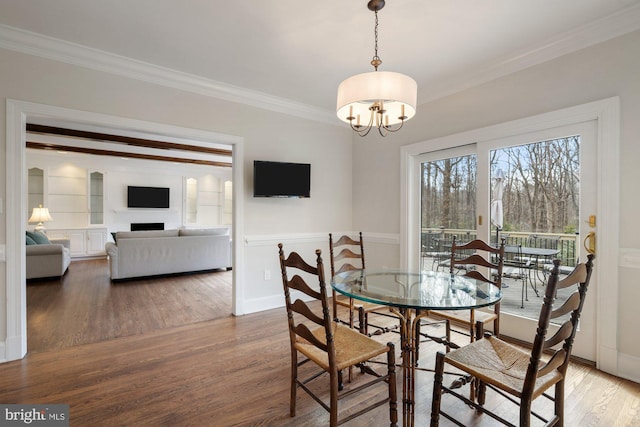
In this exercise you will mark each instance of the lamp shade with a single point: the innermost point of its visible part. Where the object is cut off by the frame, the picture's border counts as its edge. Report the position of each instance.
(398, 93)
(40, 215)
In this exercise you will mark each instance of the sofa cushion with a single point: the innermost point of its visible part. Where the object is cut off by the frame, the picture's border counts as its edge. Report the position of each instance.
(145, 233)
(222, 231)
(29, 240)
(39, 238)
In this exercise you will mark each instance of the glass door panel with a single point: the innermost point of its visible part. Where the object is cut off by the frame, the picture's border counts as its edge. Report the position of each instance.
(547, 198)
(535, 200)
(448, 205)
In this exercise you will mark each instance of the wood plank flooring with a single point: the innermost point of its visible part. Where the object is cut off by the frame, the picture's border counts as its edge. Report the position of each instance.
(234, 371)
(84, 306)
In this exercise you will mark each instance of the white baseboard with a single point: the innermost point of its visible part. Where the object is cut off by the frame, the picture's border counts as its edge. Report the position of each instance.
(261, 304)
(629, 367)
(273, 301)
(11, 349)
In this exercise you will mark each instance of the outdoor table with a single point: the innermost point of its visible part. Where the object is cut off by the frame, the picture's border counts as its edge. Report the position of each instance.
(536, 254)
(410, 295)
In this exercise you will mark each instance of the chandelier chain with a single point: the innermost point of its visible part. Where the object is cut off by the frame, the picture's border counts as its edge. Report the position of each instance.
(375, 31)
(376, 59)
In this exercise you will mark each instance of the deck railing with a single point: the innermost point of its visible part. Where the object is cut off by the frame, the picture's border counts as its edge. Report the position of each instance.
(434, 240)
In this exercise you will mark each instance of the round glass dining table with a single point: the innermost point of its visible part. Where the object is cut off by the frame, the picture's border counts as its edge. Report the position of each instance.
(410, 296)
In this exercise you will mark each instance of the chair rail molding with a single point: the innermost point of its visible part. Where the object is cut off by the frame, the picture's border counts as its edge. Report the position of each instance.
(274, 239)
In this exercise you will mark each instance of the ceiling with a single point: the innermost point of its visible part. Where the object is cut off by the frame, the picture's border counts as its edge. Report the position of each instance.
(300, 50)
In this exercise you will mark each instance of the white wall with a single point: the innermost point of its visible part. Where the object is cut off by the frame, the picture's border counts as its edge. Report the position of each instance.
(120, 173)
(267, 136)
(602, 71)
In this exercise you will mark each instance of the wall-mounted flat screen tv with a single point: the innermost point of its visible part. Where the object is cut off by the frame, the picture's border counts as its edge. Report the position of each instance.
(280, 179)
(147, 197)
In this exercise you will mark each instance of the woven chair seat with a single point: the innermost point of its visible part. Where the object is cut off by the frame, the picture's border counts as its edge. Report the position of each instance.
(500, 364)
(352, 347)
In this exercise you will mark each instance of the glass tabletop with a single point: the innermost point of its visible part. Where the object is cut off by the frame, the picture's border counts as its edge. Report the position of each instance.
(428, 290)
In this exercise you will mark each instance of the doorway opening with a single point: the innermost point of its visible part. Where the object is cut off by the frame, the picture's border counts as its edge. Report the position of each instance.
(18, 114)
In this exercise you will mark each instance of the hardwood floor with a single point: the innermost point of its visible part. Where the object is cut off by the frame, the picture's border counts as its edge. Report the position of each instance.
(234, 371)
(86, 307)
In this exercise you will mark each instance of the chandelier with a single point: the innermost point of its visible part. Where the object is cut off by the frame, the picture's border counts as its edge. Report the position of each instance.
(380, 99)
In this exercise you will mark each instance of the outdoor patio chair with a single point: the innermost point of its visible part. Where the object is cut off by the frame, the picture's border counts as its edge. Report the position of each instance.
(330, 345)
(517, 268)
(519, 376)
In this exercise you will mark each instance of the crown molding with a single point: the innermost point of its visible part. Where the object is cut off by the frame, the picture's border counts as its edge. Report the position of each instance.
(617, 24)
(72, 53)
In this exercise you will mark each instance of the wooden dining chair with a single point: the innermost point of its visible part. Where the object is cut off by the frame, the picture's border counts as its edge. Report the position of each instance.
(333, 347)
(515, 374)
(465, 260)
(347, 254)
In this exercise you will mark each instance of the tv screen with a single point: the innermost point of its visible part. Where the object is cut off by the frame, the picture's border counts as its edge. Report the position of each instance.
(279, 179)
(147, 197)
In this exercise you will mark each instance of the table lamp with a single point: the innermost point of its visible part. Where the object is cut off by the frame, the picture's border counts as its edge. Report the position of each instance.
(40, 215)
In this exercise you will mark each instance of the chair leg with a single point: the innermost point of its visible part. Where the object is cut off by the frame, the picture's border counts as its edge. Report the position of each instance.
(525, 412)
(351, 315)
(333, 399)
(417, 340)
(362, 321)
(437, 389)
(475, 385)
(448, 335)
(479, 330)
(482, 391)
(393, 394)
(294, 385)
(559, 403)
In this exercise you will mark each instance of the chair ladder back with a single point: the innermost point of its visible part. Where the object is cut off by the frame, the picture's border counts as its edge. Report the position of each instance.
(302, 331)
(299, 284)
(475, 274)
(346, 267)
(581, 276)
(346, 252)
(294, 261)
(478, 260)
(347, 247)
(541, 332)
(477, 244)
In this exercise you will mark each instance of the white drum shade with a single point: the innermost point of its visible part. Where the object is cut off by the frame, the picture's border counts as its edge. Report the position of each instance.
(397, 92)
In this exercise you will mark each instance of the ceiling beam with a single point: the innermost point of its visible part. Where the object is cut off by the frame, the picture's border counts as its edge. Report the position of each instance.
(47, 146)
(137, 142)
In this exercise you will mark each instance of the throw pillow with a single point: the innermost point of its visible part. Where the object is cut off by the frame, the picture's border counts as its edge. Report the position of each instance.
(30, 241)
(39, 238)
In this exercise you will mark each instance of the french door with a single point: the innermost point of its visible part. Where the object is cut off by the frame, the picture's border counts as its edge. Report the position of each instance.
(546, 201)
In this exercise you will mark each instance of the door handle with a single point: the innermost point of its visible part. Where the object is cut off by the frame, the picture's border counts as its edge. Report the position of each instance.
(590, 242)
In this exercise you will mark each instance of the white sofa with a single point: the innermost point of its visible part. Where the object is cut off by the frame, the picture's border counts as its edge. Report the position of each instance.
(48, 260)
(151, 253)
